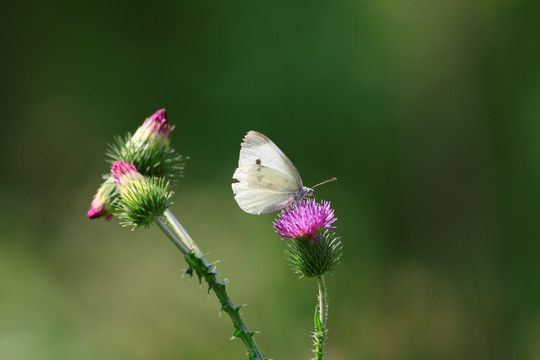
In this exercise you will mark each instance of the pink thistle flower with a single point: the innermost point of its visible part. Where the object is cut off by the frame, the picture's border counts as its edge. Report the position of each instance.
(305, 219)
(124, 173)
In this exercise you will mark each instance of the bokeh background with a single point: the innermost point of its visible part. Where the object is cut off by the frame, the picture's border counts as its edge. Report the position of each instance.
(427, 112)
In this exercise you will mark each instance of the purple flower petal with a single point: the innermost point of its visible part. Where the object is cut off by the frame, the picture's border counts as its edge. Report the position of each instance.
(305, 219)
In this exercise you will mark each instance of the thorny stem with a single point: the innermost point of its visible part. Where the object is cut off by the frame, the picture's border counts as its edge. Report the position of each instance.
(323, 301)
(321, 314)
(196, 261)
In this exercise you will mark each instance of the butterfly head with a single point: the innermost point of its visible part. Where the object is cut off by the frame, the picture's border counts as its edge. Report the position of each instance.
(303, 193)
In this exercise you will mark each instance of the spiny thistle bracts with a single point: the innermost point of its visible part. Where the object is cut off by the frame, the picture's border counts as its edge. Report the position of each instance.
(141, 198)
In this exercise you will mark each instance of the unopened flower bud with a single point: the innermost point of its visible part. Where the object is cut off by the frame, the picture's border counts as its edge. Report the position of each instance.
(103, 200)
(149, 149)
(154, 128)
(141, 198)
(125, 173)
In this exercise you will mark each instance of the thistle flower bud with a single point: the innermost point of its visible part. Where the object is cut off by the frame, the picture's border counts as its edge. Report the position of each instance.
(141, 198)
(155, 128)
(102, 204)
(148, 149)
(124, 173)
(314, 249)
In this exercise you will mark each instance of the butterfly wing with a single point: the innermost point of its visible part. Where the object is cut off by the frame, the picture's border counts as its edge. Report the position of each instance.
(267, 178)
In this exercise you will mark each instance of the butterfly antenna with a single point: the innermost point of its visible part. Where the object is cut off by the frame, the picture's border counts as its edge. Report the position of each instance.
(325, 181)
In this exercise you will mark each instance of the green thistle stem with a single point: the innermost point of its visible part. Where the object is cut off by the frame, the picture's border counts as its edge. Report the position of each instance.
(241, 331)
(321, 314)
(182, 233)
(163, 226)
(193, 256)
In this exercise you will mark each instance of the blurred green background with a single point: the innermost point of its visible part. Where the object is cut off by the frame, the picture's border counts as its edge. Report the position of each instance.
(427, 113)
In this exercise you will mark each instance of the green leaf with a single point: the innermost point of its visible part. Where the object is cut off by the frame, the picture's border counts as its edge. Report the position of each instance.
(317, 320)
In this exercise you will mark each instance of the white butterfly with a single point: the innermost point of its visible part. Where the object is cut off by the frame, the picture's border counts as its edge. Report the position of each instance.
(268, 180)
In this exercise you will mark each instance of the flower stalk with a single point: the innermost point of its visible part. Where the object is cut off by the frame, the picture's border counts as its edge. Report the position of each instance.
(313, 251)
(182, 233)
(207, 271)
(321, 315)
(170, 234)
(137, 191)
